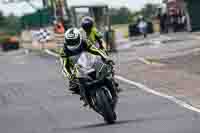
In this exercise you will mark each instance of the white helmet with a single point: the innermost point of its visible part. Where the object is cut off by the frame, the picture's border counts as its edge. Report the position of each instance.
(73, 39)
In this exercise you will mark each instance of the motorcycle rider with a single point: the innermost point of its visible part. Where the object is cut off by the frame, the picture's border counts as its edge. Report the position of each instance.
(142, 26)
(95, 37)
(92, 34)
(74, 45)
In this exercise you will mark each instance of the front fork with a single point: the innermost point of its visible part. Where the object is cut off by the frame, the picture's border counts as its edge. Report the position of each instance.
(110, 82)
(88, 95)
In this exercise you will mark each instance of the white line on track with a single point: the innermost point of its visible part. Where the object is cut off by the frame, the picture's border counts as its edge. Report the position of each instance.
(51, 53)
(149, 90)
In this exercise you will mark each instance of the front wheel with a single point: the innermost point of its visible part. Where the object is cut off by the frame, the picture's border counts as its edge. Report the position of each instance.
(104, 103)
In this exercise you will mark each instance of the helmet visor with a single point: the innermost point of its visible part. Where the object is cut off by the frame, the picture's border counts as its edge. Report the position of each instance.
(73, 42)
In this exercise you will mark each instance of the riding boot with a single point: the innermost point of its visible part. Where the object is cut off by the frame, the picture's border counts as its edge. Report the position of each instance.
(74, 88)
(118, 89)
(84, 102)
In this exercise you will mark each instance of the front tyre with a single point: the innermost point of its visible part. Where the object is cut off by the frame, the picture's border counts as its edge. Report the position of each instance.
(104, 103)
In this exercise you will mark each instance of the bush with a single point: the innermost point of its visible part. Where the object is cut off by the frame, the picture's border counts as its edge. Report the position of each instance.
(4, 38)
(9, 26)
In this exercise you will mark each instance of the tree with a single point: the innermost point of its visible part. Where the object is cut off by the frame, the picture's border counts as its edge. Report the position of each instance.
(133, 18)
(149, 10)
(2, 18)
(120, 16)
(9, 24)
(12, 20)
(124, 11)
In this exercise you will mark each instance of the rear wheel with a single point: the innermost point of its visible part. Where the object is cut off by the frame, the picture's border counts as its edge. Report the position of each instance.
(104, 103)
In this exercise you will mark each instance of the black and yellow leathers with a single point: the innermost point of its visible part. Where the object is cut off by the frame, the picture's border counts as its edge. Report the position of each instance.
(69, 58)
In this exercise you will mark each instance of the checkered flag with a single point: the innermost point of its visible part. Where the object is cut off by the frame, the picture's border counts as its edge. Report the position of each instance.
(43, 35)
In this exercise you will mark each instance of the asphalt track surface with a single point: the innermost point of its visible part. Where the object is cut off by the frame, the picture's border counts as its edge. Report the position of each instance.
(34, 99)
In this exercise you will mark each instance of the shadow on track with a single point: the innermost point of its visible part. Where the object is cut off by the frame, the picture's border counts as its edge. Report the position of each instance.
(105, 124)
(100, 125)
(119, 123)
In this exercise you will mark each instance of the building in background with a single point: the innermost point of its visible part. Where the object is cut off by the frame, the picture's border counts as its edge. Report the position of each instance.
(187, 8)
(178, 16)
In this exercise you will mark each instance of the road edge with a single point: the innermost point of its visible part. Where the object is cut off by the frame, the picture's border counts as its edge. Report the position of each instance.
(157, 93)
(173, 99)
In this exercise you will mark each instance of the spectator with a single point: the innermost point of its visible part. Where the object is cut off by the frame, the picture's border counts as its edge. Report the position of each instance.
(59, 28)
(163, 23)
(184, 22)
(142, 25)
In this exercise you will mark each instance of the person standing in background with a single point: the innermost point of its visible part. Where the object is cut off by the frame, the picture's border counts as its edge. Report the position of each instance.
(142, 26)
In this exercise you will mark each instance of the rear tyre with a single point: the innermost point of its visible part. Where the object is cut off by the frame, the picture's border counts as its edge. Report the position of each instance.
(105, 106)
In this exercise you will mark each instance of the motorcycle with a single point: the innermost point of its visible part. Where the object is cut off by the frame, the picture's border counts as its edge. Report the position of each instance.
(97, 86)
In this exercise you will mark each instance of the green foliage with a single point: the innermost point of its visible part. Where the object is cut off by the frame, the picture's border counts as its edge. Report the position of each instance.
(120, 16)
(4, 38)
(37, 19)
(125, 16)
(134, 17)
(2, 18)
(149, 10)
(9, 24)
